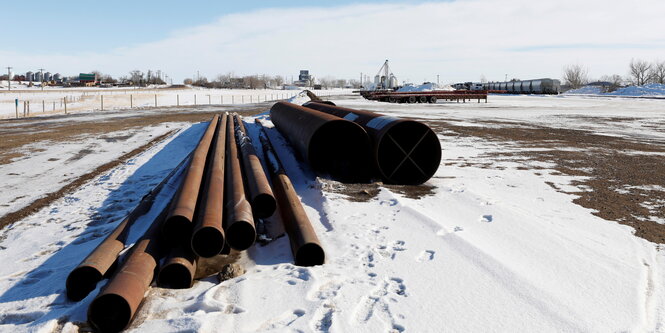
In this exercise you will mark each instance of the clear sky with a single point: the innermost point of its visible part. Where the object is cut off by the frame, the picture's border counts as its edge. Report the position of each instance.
(459, 40)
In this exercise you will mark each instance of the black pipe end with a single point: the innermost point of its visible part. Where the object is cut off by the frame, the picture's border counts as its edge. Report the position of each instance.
(175, 276)
(109, 313)
(341, 149)
(321, 102)
(263, 205)
(409, 153)
(240, 235)
(81, 281)
(207, 242)
(176, 229)
(310, 254)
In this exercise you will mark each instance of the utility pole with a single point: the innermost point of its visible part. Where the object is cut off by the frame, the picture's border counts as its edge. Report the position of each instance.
(41, 77)
(437, 79)
(361, 79)
(9, 79)
(506, 79)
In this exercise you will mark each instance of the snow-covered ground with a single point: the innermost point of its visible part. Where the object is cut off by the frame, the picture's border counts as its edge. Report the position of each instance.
(485, 249)
(52, 100)
(651, 90)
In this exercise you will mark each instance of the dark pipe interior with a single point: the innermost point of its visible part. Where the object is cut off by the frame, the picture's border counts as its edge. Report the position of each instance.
(310, 254)
(240, 235)
(176, 228)
(263, 205)
(424, 148)
(342, 150)
(109, 313)
(207, 242)
(175, 276)
(81, 281)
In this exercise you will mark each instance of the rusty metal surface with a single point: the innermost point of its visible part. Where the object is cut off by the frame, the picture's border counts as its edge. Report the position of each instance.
(208, 235)
(239, 221)
(404, 151)
(305, 245)
(330, 145)
(102, 260)
(259, 192)
(178, 269)
(178, 225)
(115, 306)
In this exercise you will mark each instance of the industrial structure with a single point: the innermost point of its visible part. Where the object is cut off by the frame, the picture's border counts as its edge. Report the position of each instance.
(537, 86)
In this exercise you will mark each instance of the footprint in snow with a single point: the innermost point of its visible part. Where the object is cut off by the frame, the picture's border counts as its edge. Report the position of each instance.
(426, 255)
(486, 218)
(391, 202)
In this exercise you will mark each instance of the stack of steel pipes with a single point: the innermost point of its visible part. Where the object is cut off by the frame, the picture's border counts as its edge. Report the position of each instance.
(356, 145)
(220, 189)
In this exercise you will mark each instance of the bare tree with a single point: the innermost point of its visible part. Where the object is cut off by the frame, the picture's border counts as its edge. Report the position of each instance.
(616, 81)
(575, 76)
(640, 72)
(658, 72)
(187, 81)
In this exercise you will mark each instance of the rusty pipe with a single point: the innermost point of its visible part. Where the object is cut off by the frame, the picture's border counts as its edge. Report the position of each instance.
(238, 221)
(115, 306)
(178, 269)
(404, 151)
(101, 262)
(208, 235)
(178, 225)
(305, 245)
(330, 145)
(259, 192)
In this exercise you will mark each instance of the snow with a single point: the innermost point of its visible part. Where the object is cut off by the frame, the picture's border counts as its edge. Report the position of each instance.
(428, 86)
(489, 250)
(653, 90)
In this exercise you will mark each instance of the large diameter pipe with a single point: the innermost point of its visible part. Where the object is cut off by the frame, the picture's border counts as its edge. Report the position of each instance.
(330, 145)
(115, 306)
(305, 245)
(178, 269)
(405, 151)
(208, 235)
(101, 262)
(239, 221)
(258, 188)
(178, 225)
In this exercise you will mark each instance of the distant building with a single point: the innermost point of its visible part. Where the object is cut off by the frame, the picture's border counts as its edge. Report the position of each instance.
(29, 76)
(48, 77)
(304, 79)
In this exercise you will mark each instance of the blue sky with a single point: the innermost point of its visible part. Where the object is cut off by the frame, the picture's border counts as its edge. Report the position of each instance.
(458, 40)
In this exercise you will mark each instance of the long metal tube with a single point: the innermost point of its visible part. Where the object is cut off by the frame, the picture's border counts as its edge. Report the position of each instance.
(259, 192)
(178, 269)
(178, 225)
(330, 145)
(238, 221)
(101, 262)
(208, 235)
(305, 245)
(116, 304)
(404, 151)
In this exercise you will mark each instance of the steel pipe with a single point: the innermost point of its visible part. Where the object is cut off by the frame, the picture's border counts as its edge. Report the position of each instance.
(259, 192)
(102, 261)
(178, 269)
(330, 145)
(238, 221)
(208, 235)
(305, 245)
(404, 151)
(178, 225)
(116, 304)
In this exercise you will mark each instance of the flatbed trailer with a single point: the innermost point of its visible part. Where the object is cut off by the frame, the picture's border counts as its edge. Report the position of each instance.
(425, 96)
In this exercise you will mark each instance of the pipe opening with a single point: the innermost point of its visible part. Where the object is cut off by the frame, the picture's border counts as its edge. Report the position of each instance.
(207, 242)
(310, 254)
(342, 150)
(109, 313)
(175, 276)
(81, 281)
(263, 205)
(176, 228)
(409, 153)
(240, 235)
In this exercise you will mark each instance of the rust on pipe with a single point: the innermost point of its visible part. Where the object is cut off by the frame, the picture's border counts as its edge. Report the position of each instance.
(238, 219)
(258, 188)
(329, 144)
(305, 245)
(404, 151)
(178, 269)
(208, 235)
(115, 306)
(101, 262)
(178, 225)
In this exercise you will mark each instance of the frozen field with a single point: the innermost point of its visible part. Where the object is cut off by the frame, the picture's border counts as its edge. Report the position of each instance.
(545, 215)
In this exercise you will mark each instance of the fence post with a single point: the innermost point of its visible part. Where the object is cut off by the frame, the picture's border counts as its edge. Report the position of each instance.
(209, 100)
(194, 99)
(131, 101)
(16, 103)
(53, 106)
(43, 106)
(242, 99)
(233, 99)
(221, 99)
(102, 99)
(177, 99)
(155, 100)
(65, 101)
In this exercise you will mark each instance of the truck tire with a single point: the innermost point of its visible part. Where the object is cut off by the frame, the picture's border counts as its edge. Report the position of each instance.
(392, 99)
(422, 99)
(432, 99)
(411, 99)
